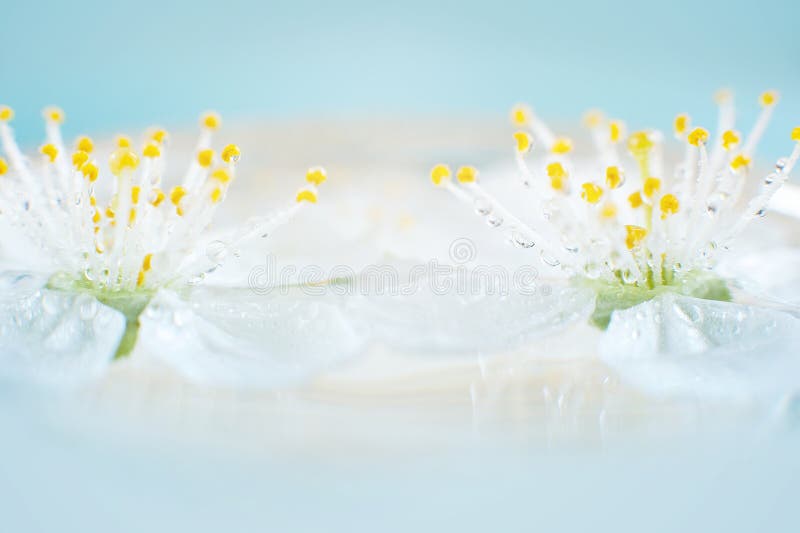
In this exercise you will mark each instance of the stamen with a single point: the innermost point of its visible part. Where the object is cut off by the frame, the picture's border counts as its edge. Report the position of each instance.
(84, 144)
(634, 236)
(50, 151)
(591, 192)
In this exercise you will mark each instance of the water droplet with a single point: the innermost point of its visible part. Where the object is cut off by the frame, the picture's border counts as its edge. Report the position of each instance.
(216, 252)
(482, 207)
(549, 259)
(494, 220)
(761, 212)
(521, 241)
(780, 164)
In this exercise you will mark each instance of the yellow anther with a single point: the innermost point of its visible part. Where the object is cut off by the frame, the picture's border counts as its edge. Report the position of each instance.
(84, 144)
(3, 166)
(768, 98)
(140, 279)
(176, 195)
(591, 192)
(698, 136)
(216, 195)
(651, 186)
(96, 217)
(306, 195)
(53, 114)
(131, 217)
(205, 157)
(110, 213)
(157, 196)
(558, 176)
(634, 236)
(440, 174)
(50, 151)
(669, 205)
(609, 210)
(151, 150)
(160, 136)
(92, 201)
(614, 177)
(524, 141)
(639, 143)
(467, 174)
(723, 96)
(562, 145)
(316, 175)
(231, 153)
(135, 192)
(739, 162)
(221, 175)
(121, 160)
(682, 123)
(796, 134)
(122, 141)
(79, 158)
(615, 131)
(520, 115)
(635, 199)
(730, 139)
(147, 263)
(211, 120)
(6, 114)
(98, 247)
(90, 171)
(593, 118)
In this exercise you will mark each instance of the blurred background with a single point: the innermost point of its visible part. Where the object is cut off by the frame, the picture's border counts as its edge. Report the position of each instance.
(125, 65)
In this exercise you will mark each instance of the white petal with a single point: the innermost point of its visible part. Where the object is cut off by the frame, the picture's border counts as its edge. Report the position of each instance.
(53, 336)
(234, 337)
(676, 345)
(425, 320)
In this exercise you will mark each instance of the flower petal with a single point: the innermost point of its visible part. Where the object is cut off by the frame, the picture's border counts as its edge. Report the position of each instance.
(677, 345)
(53, 336)
(234, 337)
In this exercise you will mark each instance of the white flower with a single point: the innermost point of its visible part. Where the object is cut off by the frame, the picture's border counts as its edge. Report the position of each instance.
(122, 266)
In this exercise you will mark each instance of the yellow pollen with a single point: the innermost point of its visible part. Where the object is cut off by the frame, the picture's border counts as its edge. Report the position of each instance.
(698, 136)
(730, 139)
(160, 136)
(79, 158)
(231, 153)
(768, 98)
(53, 114)
(562, 145)
(211, 120)
(84, 144)
(6, 114)
(440, 174)
(651, 185)
(216, 195)
(98, 248)
(615, 129)
(796, 134)
(122, 141)
(110, 213)
(96, 217)
(157, 197)
(131, 217)
(593, 118)
(609, 210)
(92, 201)
(614, 178)
(140, 279)
(316, 175)
(739, 162)
(669, 205)
(176, 195)
(135, 192)
(121, 160)
(558, 176)
(635, 199)
(151, 150)
(3, 166)
(221, 175)
(147, 263)
(205, 157)
(681, 125)
(90, 172)
(523, 141)
(591, 192)
(306, 195)
(467, 174)
(639, 143)
(50, 151)
(634, 236)
(520, 115)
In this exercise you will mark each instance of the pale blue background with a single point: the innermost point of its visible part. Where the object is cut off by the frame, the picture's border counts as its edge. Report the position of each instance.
(115, 64)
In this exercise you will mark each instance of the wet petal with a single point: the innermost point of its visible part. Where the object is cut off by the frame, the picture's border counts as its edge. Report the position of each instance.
(676, 345)
(237, 338)
(422, 319)
(53, 336)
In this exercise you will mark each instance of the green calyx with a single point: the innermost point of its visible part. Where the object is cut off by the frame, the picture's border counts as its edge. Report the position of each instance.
(616, 296)
(130, 303)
